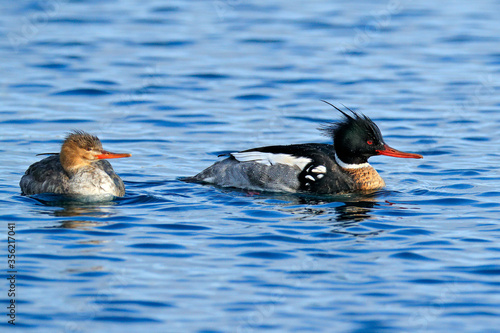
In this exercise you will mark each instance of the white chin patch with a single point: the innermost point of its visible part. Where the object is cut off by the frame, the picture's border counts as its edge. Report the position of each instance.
(271, 159)
(350, 166)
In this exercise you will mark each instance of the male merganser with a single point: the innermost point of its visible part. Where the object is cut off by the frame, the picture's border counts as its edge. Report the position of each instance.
(310, 167)
(77, 170)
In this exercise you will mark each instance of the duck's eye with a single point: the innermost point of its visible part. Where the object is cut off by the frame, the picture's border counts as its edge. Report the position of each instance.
(88, 149)
(369, 142)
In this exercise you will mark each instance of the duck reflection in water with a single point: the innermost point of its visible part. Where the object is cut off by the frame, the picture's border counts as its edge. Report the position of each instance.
(353, 207)
(82, 225)
(56, 205)
(342, 212)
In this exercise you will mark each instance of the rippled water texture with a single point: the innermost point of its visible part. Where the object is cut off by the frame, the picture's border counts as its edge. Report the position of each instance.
(176, 83)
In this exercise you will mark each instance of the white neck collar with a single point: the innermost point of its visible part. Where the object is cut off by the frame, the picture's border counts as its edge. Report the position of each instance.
(350, 166)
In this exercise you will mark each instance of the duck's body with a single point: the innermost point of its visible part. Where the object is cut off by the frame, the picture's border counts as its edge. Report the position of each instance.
(311, 167)
(48, 176)
(79, 170)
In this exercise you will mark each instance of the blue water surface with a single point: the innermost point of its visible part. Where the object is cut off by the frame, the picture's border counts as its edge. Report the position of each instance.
(176, 83)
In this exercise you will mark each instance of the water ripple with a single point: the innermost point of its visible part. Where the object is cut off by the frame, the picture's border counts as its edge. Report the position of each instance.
(266, 255)
(82, 92)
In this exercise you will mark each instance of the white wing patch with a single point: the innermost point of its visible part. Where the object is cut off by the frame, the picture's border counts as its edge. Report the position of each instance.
(319, 169)
(315, 173)
(271, 159)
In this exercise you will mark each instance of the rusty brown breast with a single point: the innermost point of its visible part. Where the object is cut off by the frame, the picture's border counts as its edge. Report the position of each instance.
(366, 178)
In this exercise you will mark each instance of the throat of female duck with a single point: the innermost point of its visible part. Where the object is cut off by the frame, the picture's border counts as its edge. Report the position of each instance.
(71, 161)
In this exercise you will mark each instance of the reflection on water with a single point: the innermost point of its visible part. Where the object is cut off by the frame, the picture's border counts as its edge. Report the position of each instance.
(70, 207)
(353, 211)
(81, 225)
(84, 270)
(95, 211)
(342, 213)
(352, 207)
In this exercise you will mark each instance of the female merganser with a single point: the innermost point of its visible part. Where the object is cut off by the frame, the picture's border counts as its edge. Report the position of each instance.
(77, 170)
(310, 167)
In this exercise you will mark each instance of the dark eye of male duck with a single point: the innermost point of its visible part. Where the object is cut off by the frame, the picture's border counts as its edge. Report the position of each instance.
(311, 167)
(79, 169)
